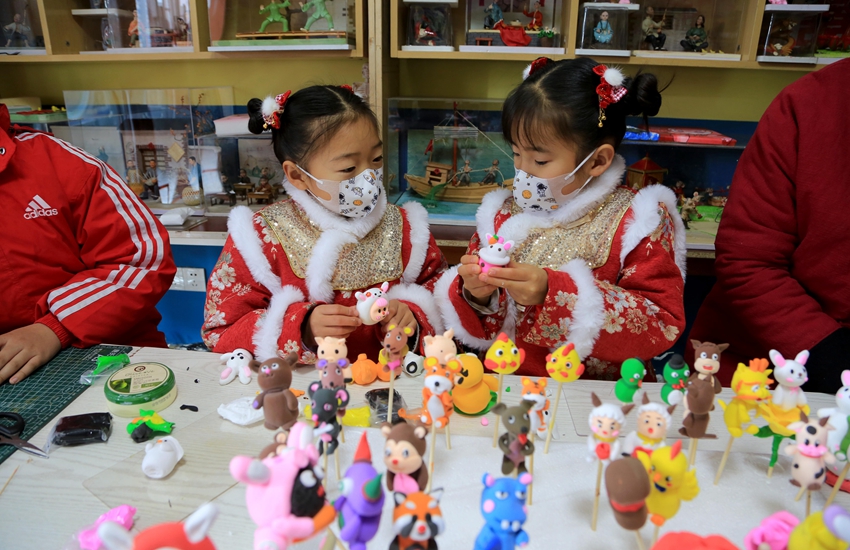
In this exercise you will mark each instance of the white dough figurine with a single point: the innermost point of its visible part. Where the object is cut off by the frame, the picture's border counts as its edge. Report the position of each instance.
(236, 363)
(161, 457)
(838, 419)
(790, 374)
(371, 305)
(497, 253)
(606, 421)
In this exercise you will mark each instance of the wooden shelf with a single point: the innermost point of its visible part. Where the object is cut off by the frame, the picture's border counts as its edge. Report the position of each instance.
(103, 12)
(177, 56)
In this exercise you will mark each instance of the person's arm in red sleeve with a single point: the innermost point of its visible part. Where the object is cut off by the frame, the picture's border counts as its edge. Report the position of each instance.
(125, 268)
(756, 241)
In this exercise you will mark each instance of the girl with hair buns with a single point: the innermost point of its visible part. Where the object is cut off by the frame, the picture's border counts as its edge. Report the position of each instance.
(291, 272)
(592, 263)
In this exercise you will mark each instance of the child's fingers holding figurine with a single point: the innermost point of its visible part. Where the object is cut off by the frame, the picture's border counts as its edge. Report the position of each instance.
(399, 314)
(333, 320)
(527, 284)
(470, 272)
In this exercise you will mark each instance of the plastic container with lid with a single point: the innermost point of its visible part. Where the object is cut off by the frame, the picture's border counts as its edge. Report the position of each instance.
(149, 386)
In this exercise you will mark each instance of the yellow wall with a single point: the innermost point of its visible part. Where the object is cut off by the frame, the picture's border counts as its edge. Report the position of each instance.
(248, 77)
(717, 94)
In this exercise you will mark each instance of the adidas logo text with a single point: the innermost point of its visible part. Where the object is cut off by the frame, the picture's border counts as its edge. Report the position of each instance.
(38, 208)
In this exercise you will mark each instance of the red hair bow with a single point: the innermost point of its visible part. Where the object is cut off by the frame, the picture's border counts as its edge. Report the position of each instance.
(347, 87)
(273, 108)
(609, 92)
(535, 66)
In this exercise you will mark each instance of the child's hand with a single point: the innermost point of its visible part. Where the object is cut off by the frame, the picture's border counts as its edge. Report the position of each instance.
(470, 272)
(399, 314)
(25, 349)
(527, 284)
(331, 320)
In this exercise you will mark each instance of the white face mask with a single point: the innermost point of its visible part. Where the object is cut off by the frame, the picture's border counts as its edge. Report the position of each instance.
(354, 197)
(544, 194)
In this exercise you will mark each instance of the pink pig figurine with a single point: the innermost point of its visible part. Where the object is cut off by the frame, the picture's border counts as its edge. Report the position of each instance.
(496, 253)
(371, 305)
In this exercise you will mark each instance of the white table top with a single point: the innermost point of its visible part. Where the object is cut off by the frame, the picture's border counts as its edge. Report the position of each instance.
(68, 491)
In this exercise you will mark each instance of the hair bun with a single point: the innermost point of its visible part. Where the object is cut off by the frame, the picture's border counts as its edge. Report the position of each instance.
(256, 124)
(644, 97)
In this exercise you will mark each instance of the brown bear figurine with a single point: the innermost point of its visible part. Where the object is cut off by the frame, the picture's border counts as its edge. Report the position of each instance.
(280, 406)
(628, 487)
(700, 400)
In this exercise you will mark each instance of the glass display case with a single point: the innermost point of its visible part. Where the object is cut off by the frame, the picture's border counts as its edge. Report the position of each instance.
(429, 27)
(789, 33)
(707, 29)
(514, 26)
(249, 25)
(21, 28)
(834, 35)
(604, 29)
(153, 139)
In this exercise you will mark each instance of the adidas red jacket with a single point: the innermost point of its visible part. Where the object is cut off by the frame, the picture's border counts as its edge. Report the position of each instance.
(80, 252)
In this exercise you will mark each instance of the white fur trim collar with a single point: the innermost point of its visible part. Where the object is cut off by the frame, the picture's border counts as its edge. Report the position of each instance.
(269, 329)
(517, 228)
(589, 312)
(646, 218)
(420, 237)
(328, 221)
(419, 296)
(240, 224)
(452, 319)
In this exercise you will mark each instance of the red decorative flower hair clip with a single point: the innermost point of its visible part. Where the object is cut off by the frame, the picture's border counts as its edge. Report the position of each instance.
(610, 89)
(347, 87)
(273, 108)
(535, 66)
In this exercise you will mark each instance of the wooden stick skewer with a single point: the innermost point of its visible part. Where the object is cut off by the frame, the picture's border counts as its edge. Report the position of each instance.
(639, 541)
(770, 472)
(325, 468)
(835, 488)
(693, 458)
(531, 471)
(800, 494)
(13, 475)
(336, 464)
(723, 460)
(655, 536)
(390, 400)
(596, 496)
(808, 503)
(552, 421)
(431, 458)
(341, 431)
(448, 438)
(498, 400)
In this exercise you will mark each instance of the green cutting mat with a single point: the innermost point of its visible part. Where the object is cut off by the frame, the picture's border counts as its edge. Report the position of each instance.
(43, 394)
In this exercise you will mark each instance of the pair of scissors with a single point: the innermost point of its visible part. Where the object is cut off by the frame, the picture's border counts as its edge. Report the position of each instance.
(10, 434)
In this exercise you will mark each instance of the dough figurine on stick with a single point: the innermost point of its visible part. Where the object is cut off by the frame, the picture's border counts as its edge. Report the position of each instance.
(391, 357)
(675, 375)
(404, 457)
(653, 421)
(332, 377)
(187, 535)
(372, 306)
(810, 453)
(632, 372)
(333, 349)
(564, 366)
(535, 391)
(503, 358)
(474, 391)
(497, 253)
(751, 385)
(837, 439)
(504, 510)
(700, 400)
(326, 404)
(706, 366)
(437, 404)
(671, 482)
(516, 443)
(442, 349)
(361, 499)
(627, 484)
(417, 519)
(605, 421)
(279, 404)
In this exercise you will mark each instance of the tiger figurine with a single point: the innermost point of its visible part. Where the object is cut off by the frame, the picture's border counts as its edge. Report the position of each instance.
(417, 519)
(437, 404)
(536, 393)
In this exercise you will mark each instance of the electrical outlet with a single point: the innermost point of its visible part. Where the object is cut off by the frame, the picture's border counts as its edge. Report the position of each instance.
(194, 279)
(179, 281)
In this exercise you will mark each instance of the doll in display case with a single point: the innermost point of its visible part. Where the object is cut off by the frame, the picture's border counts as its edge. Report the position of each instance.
(429, 27)
(604, 26)
(492, 15)
(513, 24)
(602, 32)
(696, 39)
(652, 30)
(18, 32)
(536, 16)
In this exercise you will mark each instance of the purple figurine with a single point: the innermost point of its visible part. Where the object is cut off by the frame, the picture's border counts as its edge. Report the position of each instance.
(362, 499)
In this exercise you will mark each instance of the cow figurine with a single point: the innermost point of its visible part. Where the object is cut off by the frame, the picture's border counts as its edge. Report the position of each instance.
(790, 374)
(810, 452)
(371, 305)
(495, 254)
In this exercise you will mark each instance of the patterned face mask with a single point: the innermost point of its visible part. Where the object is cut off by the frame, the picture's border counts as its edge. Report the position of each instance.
(354, 197)
(534, 194)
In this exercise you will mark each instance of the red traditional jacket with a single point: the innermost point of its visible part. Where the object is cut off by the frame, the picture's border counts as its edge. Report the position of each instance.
(616, 265)
(282, 261)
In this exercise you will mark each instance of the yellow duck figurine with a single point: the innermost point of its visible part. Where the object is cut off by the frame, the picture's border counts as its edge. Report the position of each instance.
(504, 357)
(752, 387)
(472, 387)
(826, 530)
(671, 481)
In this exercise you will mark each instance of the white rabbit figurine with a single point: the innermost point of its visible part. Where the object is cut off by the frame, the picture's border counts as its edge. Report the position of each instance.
(236, 363)
(838, 418)
(790, 374)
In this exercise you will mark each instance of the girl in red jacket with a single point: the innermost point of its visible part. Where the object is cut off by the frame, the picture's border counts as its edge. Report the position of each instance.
(591, 262)
(291, 272)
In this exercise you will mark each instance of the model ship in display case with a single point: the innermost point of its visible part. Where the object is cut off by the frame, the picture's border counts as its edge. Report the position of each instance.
(448, 182)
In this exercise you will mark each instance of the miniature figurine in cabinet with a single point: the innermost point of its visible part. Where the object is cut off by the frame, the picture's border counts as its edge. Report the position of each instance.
(464, 176)
(536, 16)
(134, 30)
(182, 30)
(17, 30)
(780, 42)
(425, 33)
(652, 30)
(490, 176)
(226, 186)
(278, 13)
(689, 207)
(602, 32)
(494, 15)
(243, 176)
(194, 174)
(106, 35)
(151, 181)
(321, 12)
(696, 39)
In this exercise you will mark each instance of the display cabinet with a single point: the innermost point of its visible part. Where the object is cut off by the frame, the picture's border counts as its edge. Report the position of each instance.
(429, 27)
(789, 33)
(252, 25)
(834, 34)
(604, 29)
(21, 26)
(514, 26)
(153, 139)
